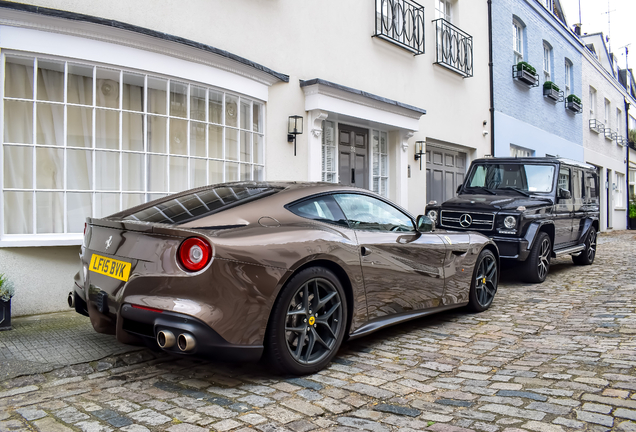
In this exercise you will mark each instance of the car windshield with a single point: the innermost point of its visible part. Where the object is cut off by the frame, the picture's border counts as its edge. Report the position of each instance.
(198, 203)
(513, 177)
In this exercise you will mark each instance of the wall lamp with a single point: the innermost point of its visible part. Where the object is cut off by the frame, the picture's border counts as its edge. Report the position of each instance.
(294, 127)
(419, 151)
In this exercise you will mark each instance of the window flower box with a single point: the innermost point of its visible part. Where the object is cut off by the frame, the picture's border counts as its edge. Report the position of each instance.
(574, 104)
(524, 72)
(551, 91)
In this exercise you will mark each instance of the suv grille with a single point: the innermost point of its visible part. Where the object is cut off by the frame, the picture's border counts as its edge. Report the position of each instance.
(467, 220)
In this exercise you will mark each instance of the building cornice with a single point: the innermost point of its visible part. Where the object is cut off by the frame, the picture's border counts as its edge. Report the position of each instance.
(320, 86)
(117, 32)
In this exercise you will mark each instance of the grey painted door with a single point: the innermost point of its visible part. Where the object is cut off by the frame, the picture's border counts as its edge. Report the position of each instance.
(445, 170)
(353, 157)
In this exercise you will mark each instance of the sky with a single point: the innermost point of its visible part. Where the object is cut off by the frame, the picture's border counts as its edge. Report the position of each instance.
(622, 29)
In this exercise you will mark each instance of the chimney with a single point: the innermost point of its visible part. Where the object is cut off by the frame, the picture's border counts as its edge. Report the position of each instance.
(577, 29)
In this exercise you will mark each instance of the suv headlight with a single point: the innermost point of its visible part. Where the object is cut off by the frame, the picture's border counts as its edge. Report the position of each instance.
(510, 222)
(433, 215)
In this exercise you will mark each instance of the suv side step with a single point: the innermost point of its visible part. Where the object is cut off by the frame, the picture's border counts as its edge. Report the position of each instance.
(570, 250)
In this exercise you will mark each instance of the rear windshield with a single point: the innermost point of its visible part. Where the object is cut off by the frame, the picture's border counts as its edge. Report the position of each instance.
(199, 203)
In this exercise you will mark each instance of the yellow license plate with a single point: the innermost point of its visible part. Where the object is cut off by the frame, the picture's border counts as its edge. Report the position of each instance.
(110, 267)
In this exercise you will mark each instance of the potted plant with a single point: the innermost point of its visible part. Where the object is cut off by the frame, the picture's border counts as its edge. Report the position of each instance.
(632, 137)
(524, 72)
(632, 212)
(6, 292)
(573, 103)
(551, 91)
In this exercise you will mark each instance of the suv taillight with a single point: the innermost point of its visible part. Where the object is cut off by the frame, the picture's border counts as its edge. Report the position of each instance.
(194, 253)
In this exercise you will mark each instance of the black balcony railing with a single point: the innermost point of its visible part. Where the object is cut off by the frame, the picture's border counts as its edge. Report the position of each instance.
(400, 22)
(454, 48)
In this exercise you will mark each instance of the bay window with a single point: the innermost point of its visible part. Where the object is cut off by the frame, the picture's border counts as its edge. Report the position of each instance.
(85, 140)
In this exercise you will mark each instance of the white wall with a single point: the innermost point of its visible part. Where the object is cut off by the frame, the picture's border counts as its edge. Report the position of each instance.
(331, 40)
(42, 276)
(599, 151)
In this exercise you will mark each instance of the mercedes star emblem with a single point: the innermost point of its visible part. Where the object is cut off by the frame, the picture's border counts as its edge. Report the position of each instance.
(110, 241)
(465, 220)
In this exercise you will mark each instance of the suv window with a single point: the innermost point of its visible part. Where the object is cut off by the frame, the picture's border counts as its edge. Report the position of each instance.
(371, 214)
(591, 190)
(530, 177)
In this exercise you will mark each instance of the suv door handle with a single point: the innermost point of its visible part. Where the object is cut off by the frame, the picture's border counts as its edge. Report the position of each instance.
(365, 251)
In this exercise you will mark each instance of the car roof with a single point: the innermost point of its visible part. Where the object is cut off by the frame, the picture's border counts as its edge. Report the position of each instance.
(522, 160)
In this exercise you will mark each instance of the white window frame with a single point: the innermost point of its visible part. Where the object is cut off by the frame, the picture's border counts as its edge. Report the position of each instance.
(632, 183)
(607, 112)
(75, 238)
(443, 9)
(517, 41)
(619, 199)
(377, 156)
(329, 142)
(568, 77)
(518, 151)
(547, 62)
(592, 101)
(619, 122)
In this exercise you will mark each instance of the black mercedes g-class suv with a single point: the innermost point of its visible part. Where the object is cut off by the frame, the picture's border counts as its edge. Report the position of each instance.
(534, 208)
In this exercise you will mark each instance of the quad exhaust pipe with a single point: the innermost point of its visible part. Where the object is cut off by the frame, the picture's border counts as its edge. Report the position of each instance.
(185, 341)
(71, 300)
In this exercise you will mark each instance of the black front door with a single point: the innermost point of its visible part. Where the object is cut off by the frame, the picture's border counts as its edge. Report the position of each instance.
(353, 148)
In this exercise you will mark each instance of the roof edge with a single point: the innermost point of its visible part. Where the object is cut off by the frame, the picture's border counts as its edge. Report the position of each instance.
(314, 81)
(56, 13)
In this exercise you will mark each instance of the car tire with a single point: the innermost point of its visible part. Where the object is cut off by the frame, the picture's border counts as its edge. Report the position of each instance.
(303, 336)
(485, 281)
(586, 257)
(537, 265)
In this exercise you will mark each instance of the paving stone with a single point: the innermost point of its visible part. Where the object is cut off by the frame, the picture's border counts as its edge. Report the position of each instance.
(93, 426)
(625, 413)
(397, 409)
(70, 415)
(333, 405)
(48, 425)
(31, 413)
(150, 417)
(362, 424)
(512, 411)
(522, 394)
(595, 418)
(303, 407)
(572, 424)
(438, 427)
(542, 427)
(626, 426)
(369, 391)
(598, 408)
(135, 428)
(184, 427)
(549, 408)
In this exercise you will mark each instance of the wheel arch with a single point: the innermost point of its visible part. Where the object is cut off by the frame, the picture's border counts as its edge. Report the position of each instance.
(342, 276)
(493, 248)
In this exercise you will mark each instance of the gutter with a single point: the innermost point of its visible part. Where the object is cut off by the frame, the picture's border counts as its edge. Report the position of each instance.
(627, 158)
(492, 91)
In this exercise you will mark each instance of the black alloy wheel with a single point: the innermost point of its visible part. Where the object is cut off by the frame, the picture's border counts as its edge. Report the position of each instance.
(589, 253)
(485, 281)
(308, 322)
(538, 262)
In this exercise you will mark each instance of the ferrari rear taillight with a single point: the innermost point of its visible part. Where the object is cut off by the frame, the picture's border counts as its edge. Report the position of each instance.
(194, 253)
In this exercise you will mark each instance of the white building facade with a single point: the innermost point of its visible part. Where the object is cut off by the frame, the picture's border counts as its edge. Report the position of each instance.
(606, 120)
(106, 106)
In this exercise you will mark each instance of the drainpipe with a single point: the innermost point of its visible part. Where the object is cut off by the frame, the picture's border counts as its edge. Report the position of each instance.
(492, 91)
(627, 157)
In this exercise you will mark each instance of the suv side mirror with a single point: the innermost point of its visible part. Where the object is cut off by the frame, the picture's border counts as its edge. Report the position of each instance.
(564, 194)
(425, 224)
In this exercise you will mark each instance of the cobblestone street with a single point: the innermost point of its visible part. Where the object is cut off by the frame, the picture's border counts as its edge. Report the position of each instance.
(552, 357)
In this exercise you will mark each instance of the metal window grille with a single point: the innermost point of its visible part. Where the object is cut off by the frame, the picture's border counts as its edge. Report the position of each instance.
(454, 48)
(401, 22)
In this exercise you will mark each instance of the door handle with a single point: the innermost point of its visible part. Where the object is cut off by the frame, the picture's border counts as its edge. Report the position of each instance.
(365, 251)
(353, 176)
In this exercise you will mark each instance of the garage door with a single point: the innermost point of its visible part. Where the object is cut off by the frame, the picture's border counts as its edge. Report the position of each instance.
(445, 170)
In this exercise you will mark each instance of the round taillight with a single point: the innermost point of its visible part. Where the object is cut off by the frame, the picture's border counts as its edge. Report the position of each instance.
(194, 253)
